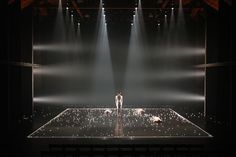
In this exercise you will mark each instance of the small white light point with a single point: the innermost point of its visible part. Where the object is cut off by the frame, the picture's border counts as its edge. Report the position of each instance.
(136, 8)
(172, 8)
(132, 24)
(67, 8)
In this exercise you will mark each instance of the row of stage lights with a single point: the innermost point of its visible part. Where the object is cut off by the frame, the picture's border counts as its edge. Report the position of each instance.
(72, 13)
(159, 24)
(103, 9)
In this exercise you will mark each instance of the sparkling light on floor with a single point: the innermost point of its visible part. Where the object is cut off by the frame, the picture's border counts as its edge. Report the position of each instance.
(127, 123)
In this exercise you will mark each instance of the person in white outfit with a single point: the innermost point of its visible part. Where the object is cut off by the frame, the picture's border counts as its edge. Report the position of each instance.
(119, 101)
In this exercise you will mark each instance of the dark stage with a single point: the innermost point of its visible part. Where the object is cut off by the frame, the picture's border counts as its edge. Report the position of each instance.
(167, 65)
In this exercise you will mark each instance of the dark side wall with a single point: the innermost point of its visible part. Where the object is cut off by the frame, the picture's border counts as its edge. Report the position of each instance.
(220, 65)
(16, 73)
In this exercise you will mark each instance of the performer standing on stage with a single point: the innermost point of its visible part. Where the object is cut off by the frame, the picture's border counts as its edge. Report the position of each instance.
(119, 100)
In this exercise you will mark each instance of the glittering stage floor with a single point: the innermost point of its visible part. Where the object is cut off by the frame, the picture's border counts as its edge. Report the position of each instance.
(127, 123)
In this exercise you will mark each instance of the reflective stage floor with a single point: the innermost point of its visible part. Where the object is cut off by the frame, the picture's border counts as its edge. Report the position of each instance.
(127, 123)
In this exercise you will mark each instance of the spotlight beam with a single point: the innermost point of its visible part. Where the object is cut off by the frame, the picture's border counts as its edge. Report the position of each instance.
(103, 65)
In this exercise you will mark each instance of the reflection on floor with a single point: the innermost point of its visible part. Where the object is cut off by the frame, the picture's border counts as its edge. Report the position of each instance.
(126, 123)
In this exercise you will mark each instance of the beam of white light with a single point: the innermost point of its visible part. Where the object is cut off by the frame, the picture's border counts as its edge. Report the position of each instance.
(61, 70)
(79, 45)
(74, 99)
(180, 11)
(59, 48)
(59, 5)
(166, 75)
(164, 96)
(180, 36)
(176, 96)
(62, 99)
(59, 27)
(103, 65)
(71, 31)
(141, 19)
(172, 28)
(136, 51)
(67, 13)
(179, 52)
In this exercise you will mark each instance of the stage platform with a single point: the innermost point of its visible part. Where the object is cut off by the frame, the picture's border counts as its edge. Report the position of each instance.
(128, 123)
